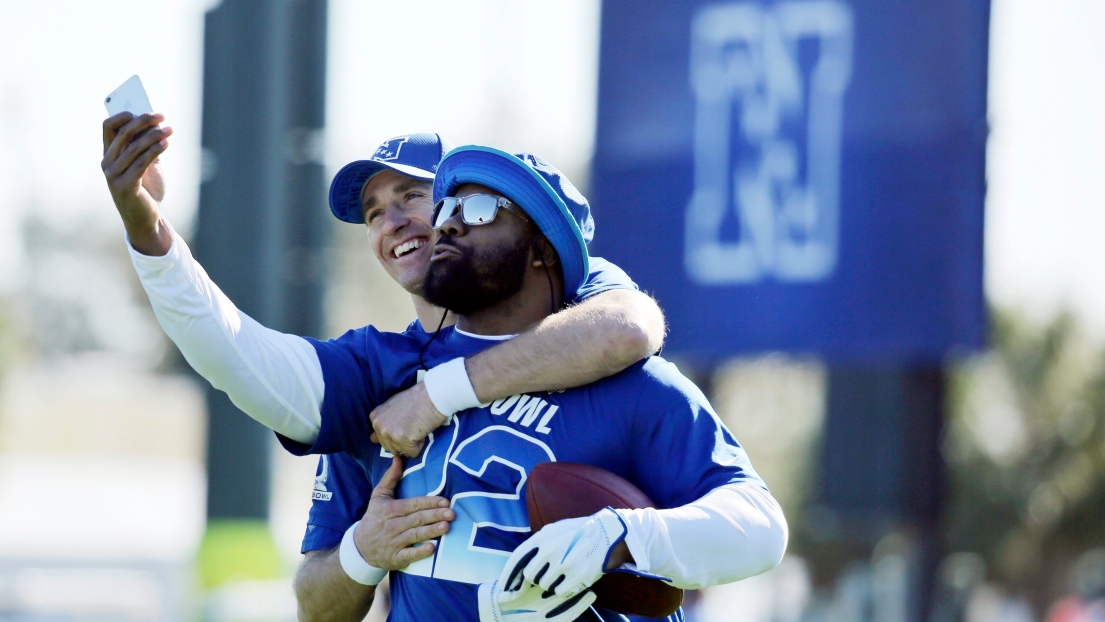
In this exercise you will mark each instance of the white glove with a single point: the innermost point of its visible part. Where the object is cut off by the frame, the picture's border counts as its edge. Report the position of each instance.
(529, 602)
(567, 556)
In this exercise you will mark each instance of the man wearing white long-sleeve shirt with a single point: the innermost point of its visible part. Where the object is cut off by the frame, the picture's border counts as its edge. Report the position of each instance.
(721, 524)
(609, 326)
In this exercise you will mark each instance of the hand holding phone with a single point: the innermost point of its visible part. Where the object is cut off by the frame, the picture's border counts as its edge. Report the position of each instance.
(129, 97)
(132, 146)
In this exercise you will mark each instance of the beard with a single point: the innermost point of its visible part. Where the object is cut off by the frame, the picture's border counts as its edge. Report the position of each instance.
(478, 279)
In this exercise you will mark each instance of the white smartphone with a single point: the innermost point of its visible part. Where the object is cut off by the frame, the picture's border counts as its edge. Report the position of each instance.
(129, 97)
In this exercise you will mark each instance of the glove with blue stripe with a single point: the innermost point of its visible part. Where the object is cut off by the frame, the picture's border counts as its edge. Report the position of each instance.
(528, 602)
(568, 556)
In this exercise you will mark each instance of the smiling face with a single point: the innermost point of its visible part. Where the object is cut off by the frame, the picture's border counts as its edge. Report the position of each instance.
(397, 210)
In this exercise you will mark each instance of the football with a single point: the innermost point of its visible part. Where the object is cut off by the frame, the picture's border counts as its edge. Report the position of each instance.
(559, 490)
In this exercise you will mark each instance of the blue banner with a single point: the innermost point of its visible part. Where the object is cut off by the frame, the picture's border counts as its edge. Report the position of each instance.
(803, 176)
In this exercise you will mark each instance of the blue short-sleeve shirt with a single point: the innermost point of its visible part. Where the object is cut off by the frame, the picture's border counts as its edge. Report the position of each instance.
(648, 424)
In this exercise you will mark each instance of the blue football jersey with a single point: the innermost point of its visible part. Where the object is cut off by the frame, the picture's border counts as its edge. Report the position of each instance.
(348, 488)
(648, 424)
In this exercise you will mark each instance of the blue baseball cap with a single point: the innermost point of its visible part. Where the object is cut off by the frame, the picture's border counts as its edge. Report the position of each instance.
(415, 155)
(559, 210)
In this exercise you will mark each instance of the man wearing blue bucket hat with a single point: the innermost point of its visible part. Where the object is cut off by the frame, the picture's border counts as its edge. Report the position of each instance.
(510, 246)
(361, 193)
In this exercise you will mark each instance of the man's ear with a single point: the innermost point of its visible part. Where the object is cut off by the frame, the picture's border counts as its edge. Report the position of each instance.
(543, 253)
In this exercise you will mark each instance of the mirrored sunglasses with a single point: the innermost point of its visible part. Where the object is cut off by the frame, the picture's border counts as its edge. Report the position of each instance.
(475, 209)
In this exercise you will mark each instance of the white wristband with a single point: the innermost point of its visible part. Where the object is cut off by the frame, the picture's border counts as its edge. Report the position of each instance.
(354, 565)
(450, 390)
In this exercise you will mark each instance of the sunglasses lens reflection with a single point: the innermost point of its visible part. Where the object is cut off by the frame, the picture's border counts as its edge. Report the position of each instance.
(476, 209)
(480, 209)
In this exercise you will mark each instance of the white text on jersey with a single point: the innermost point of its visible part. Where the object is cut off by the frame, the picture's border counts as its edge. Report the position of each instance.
(526, 410)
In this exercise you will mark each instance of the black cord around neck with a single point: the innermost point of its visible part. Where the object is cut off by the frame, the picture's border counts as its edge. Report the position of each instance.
(422, 362)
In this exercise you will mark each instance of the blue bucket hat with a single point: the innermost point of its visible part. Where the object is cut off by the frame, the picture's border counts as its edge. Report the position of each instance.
(415, 155)
(544, 193)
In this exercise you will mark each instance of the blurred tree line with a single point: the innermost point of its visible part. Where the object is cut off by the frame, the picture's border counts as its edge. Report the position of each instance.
(1025, 445)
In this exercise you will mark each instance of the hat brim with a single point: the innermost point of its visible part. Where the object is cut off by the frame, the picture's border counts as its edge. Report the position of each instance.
(345, 190)
(505, 173)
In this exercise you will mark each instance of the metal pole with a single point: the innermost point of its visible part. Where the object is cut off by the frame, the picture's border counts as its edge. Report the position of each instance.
(261, 233)
(241, 221)
(882, 468)
(307, 215)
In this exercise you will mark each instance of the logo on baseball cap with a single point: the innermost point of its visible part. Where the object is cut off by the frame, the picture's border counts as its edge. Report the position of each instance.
(414, 155)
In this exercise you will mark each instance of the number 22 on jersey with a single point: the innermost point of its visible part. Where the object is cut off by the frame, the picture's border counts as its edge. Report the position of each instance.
(483, 475)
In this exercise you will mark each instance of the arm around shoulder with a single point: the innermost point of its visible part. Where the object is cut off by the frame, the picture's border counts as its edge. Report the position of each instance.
(584, 343)
(628, 323)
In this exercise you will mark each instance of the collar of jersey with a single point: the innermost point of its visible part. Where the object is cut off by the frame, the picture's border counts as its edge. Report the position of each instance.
(484, 337)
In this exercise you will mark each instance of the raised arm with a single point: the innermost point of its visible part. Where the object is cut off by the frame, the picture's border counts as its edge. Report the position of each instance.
(273, 377)
(596, 338)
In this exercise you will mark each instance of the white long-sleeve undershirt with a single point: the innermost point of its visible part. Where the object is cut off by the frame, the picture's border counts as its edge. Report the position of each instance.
(273, 377)
(734, 532)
